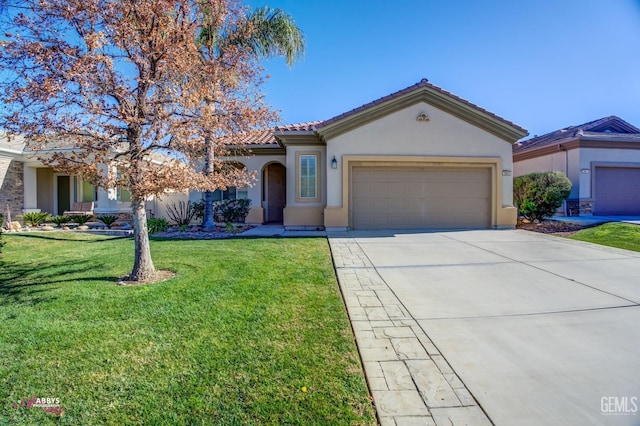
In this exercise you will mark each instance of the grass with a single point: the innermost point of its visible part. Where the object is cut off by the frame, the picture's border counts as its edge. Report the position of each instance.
(232, 339)
(620, 235)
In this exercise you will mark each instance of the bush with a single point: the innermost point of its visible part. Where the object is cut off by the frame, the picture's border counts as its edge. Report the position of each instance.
(181, 213)
(198, 209)
(60, 220)
(108, 219)
(81, 219)
(35, 218)
(158, 224)
(2, 243)
(231, 210)
(539, 195)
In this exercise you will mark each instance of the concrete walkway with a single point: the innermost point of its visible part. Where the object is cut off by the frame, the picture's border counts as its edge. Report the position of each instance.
(597, 220)
(493, 327)
(278, 230)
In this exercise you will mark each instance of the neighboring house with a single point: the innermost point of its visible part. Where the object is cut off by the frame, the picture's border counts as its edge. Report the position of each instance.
(601, 158)
(27, 185)
(419, 158)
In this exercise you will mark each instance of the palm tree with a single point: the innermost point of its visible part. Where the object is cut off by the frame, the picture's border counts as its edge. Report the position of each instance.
(273, 33)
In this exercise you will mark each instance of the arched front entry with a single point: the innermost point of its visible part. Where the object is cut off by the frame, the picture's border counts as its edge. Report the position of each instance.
(274, 195)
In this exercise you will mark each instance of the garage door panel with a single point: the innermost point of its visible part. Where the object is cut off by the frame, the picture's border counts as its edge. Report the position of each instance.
(420, 198)
(617, 191)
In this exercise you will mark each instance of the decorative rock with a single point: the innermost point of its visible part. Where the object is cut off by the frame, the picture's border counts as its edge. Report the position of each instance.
(83, 228)
(15, 226)
(47, 228)
(66, 228)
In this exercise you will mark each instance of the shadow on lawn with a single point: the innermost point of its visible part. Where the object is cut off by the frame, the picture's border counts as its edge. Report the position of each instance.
(32, 284)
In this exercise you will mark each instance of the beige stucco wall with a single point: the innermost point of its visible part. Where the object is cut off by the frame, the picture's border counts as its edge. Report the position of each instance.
(254, 163)
(400, 135)
(305, 213)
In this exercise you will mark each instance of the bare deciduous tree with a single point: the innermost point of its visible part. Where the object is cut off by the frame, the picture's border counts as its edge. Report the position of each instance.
(123, 84)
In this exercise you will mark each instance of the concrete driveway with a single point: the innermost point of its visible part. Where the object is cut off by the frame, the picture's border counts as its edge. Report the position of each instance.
(541, 330)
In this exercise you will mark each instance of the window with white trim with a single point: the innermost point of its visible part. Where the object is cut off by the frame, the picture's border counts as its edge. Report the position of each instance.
(308, 175)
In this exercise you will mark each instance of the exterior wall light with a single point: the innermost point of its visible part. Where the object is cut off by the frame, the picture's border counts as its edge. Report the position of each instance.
(334, 163)
(506, 173)
(423, 117)
(585, 171)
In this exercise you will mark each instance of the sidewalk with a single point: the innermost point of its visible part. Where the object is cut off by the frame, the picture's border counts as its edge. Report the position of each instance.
(597, 220)
(279, 231)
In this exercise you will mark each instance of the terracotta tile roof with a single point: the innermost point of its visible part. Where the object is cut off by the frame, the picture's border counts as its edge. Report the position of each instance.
(422, 83)
(611, 125)
(268, 138)
(309, 126)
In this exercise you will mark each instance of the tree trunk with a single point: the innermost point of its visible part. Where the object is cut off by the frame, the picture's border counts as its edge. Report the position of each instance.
(208, 221)
(143, 268)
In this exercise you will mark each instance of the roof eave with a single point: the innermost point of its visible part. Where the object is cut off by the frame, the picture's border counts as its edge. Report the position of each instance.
(298, 137)
(492, 124)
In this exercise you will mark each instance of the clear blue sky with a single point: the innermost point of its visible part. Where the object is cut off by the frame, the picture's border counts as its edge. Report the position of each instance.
(543, 64)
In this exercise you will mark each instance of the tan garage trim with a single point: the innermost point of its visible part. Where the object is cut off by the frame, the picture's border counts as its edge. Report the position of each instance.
(493, 165)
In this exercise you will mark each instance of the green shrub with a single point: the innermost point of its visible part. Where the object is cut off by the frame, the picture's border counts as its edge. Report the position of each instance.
(108, 219)
(157, 224)
(539, 195)
(231, 210)
(35, 218)
(198, 209)
(81, 219)
(2, 243)
(60, 220)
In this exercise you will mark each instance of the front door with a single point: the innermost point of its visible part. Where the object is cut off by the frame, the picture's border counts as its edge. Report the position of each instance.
(64, 194)
(275, 189)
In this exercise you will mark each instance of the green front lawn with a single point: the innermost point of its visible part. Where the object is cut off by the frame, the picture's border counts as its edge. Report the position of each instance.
(232, 339)
(620, 235)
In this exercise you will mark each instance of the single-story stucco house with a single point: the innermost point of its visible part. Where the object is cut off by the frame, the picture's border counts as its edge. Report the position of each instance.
(417, 158)
(601, 158)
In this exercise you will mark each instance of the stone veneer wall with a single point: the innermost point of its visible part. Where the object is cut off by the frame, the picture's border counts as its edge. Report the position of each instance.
(580, 207)
(11, 186)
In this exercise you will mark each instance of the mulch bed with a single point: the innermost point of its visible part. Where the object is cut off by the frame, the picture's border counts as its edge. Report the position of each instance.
(555, 227)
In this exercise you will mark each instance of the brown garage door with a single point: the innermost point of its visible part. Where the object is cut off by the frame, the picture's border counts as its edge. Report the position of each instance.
(420, 198)
(617, 191)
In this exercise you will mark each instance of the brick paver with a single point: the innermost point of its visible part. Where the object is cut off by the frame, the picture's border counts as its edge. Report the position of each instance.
(410, 381)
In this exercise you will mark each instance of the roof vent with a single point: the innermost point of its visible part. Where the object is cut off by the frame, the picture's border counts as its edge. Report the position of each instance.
(422, 117)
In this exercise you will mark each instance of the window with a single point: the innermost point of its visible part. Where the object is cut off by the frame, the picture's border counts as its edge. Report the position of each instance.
(308, 176)
(232, 193)
(89, 192)
(123, 195)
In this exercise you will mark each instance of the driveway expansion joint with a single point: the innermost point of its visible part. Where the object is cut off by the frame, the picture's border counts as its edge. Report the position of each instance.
(409, 380)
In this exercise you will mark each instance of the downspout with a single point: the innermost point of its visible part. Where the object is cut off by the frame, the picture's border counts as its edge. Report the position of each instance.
(567, 213)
